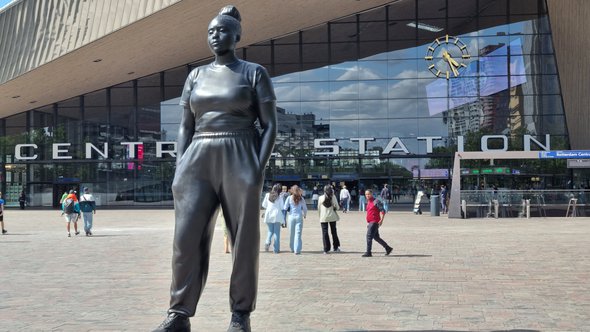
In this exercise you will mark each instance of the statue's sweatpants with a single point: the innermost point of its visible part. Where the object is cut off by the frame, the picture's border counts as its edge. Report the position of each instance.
(216, 169)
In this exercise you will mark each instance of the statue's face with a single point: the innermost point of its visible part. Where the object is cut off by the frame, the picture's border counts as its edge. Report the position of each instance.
(221, 36)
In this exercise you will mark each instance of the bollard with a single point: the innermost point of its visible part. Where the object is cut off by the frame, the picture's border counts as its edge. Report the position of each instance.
(434, 205)
(496, 207)
(464, 209)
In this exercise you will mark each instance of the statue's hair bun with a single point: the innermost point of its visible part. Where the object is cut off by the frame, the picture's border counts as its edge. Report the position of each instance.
(232, 11)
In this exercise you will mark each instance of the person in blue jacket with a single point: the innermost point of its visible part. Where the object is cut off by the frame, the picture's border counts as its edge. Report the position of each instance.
(88, 208)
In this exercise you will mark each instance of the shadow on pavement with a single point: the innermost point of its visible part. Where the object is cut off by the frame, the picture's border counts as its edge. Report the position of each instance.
(13, 234)
(513, 330)
(375, 254)
(411, 255)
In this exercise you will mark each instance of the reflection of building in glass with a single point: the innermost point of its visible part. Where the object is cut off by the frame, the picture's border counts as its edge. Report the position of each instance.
(295, 133)
(493, 110)
(362, 75)
(516, 118)
(464, 119)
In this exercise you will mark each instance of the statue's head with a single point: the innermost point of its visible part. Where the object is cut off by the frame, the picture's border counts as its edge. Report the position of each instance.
(225, 30)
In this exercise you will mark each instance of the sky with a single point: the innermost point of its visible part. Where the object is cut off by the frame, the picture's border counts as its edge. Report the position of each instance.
(4, 2)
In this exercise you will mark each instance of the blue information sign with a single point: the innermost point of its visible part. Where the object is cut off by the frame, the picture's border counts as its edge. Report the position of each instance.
(567, 154)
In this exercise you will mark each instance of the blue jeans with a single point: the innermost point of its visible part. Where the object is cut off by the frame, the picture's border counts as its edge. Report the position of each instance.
(362, 203)
(295, 229)
(274, 229)
(346, 204)
(87, 221)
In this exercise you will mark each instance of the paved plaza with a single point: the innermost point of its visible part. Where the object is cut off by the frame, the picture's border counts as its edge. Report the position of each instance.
(444, 275)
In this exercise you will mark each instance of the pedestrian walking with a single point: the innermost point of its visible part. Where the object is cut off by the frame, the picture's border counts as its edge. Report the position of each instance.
(284, 195)
(22, 199)
(353, 195)
(71, 212)
(345, 199)
(385, 197)
(315, 195)
(88, 208)
(362, 200)
(273, 217)
(297, 211)
(328, 205)
(443, 199)
(375, 215)
(4, 231)
(63, 197)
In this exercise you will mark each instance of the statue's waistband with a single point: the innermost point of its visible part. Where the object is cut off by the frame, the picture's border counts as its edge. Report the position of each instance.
(221, 134)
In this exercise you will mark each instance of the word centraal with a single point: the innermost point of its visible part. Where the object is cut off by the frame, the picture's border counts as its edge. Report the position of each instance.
(323, 147)
(61, 150)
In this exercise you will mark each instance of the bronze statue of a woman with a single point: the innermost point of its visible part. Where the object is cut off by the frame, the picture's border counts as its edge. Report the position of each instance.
(220, 162)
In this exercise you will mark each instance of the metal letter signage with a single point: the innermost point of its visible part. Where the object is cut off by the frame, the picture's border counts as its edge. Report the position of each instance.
(334, 149)
(160, 151)
(322, 146)
(396, 145)
(57, 151)
(104, 153)
(18, 151)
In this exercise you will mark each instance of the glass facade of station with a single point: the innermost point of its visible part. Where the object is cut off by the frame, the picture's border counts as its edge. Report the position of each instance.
(359, 102)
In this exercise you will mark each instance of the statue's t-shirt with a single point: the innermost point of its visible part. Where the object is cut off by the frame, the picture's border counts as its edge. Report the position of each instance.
(225, 98)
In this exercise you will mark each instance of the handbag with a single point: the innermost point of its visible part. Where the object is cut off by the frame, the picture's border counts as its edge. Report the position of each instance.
(336, 214)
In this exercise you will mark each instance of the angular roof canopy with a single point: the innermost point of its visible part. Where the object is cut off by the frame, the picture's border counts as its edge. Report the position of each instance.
(65, 48)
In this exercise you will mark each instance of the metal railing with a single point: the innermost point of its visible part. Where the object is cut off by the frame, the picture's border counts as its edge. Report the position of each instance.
(524, 203)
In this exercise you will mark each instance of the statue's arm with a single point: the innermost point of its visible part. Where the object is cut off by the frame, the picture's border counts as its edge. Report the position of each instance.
(267, 118)
(185, 132)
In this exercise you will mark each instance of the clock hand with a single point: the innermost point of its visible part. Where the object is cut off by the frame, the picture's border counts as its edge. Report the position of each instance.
(452, 63)
(455, 71)
(450, 59)
(446, 56)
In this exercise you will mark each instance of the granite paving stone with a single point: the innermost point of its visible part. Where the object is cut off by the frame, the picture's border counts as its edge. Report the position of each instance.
(443, 275)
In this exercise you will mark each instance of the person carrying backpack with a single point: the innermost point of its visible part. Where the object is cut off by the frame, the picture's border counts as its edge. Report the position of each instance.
(71, 211)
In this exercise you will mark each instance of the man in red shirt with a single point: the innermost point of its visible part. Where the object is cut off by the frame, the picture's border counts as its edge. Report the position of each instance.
(375, 215)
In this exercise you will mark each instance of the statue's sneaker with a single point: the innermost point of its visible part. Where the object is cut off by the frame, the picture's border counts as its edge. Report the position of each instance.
(175, 322)
(240, 322)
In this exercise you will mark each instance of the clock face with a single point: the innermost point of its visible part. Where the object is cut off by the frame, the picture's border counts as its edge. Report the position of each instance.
(447, 57)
